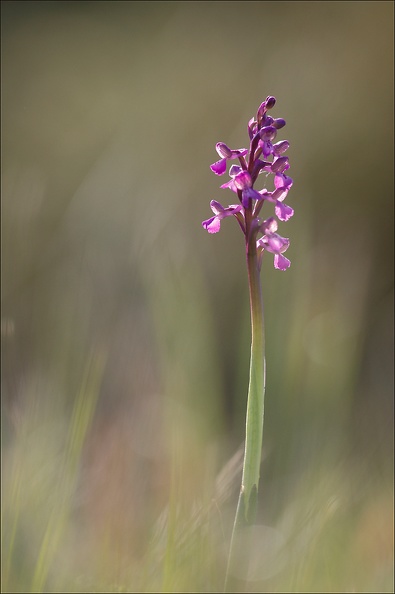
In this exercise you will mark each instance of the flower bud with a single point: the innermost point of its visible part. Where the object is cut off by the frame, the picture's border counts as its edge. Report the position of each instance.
(270, 102)
(267, 120)
(278, 123)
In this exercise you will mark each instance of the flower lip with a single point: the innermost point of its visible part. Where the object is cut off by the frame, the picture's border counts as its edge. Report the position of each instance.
(283, 211)
(281, 262)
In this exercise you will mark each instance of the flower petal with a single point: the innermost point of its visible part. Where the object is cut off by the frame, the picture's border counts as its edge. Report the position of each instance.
(280, 147)
(252, 194)
(282, 181)
(280, 193)
(280, 164)
(281, 262)
(230, 184)
(283, 212)
(274, 243)
(243, 180)
(219, 167)
(234, 170)
(212, 225)
(216, 207)
(245, 199)
(267, 147)
(238, 153)
(223, 150)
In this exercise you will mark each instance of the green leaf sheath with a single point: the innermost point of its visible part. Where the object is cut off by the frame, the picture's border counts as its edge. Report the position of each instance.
(247, 504)
(256, 389)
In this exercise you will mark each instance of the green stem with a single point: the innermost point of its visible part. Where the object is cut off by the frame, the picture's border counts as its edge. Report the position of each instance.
(246, 508)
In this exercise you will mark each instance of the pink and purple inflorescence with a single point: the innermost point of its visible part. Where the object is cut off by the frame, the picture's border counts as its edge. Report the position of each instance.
(263, 157)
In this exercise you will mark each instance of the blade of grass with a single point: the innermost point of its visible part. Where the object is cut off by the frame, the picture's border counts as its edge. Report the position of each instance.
(84, 407)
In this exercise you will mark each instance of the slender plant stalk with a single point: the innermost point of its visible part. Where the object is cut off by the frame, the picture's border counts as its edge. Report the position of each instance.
(260, 236)
(246, 507)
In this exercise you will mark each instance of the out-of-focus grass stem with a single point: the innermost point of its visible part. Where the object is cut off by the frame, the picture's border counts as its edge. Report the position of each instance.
(170, 554)
(83, 411)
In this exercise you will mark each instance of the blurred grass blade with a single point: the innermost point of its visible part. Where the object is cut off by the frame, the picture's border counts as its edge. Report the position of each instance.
(82, 415)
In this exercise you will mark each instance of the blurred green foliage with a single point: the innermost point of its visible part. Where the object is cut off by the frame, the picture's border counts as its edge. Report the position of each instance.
(118, 306)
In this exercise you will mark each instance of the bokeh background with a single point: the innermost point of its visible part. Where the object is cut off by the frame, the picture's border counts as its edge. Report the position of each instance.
(125, 326)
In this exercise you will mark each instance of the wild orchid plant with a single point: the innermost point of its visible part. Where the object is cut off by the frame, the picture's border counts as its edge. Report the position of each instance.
(262, 157)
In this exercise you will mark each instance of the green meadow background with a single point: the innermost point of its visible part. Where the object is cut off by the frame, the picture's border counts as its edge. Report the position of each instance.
(125, 326)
